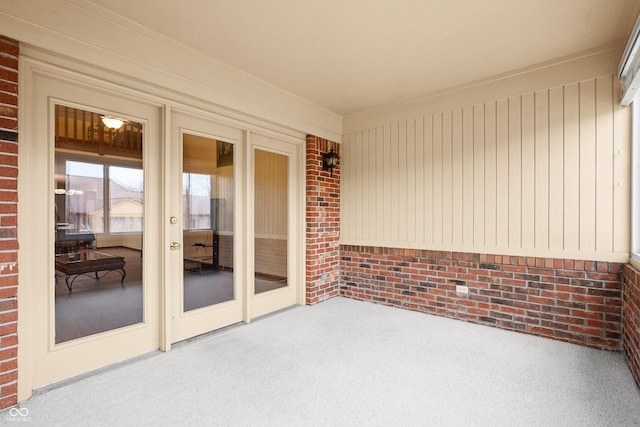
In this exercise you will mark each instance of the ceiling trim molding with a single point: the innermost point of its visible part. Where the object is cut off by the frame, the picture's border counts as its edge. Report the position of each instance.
(91, 35)
(581, 66)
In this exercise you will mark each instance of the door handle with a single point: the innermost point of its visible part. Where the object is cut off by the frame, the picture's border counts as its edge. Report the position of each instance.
(174, 245)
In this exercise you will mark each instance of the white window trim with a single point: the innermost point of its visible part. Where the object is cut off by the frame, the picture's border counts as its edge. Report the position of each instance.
(635, 183)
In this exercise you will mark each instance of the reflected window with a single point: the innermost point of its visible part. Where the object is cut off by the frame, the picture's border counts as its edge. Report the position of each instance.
(196, 197)
(81, 197)
(125, 199)
(83, 192)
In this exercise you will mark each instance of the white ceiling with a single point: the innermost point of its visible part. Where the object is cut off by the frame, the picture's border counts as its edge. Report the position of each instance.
(353, 55)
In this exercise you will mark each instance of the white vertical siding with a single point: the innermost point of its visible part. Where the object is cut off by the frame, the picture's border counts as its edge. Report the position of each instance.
(503, 227)
(622, 179)
(528, 171)
(437, 200)
(542, 173)
(422, 191)
(571, 140)
(542, 169)
(479, 177)
(468, 173)
(604, 164)
(490, 178)
(429, 167)
(514, 159)
(403, 184)
(587, 166)
(556, 169)
(446, 180)
(457, 172)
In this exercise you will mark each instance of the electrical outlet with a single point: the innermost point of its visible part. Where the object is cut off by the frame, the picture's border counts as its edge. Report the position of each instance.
(462, 289)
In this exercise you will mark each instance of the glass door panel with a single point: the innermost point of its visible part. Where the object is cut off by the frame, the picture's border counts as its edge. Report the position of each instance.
(271, 205)
(208, 193)
(204, 269)
(91, 188)
(275, 223)
(98, 213)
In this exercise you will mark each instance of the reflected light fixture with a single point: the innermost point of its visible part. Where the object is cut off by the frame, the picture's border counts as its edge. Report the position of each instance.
(112, 122)
(330, 161)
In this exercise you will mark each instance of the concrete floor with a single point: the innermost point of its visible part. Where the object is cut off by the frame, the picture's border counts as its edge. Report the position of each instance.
(351, 363)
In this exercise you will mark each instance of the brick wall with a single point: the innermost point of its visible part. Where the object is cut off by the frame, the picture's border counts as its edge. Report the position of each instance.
(323, 223)
(569, 300)
(8, 221)
(631, 320)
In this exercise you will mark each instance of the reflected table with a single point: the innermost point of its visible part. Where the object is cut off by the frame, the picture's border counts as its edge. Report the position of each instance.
(89, 262)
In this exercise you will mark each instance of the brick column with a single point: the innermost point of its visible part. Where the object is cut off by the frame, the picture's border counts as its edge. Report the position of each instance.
(631, 320)
(323, 223)
(8, 221)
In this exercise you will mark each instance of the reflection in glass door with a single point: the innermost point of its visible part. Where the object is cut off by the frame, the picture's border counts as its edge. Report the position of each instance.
(276, 219)
(271, 205)
(204, 266)
(99, 209)
(208, 192)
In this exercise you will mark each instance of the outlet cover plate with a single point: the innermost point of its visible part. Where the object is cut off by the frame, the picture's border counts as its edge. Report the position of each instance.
(462, 289)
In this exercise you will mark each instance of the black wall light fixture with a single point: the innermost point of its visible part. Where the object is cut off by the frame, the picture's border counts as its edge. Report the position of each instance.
(330, 161)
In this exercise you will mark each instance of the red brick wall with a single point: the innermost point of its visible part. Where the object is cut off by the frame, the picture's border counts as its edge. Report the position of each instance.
(574, 301)
(8, 221)
(631, 320)
(323, 223)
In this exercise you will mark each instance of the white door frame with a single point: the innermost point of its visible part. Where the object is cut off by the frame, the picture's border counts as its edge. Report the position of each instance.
(41, 360)
(186, 325)
(270, 301)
